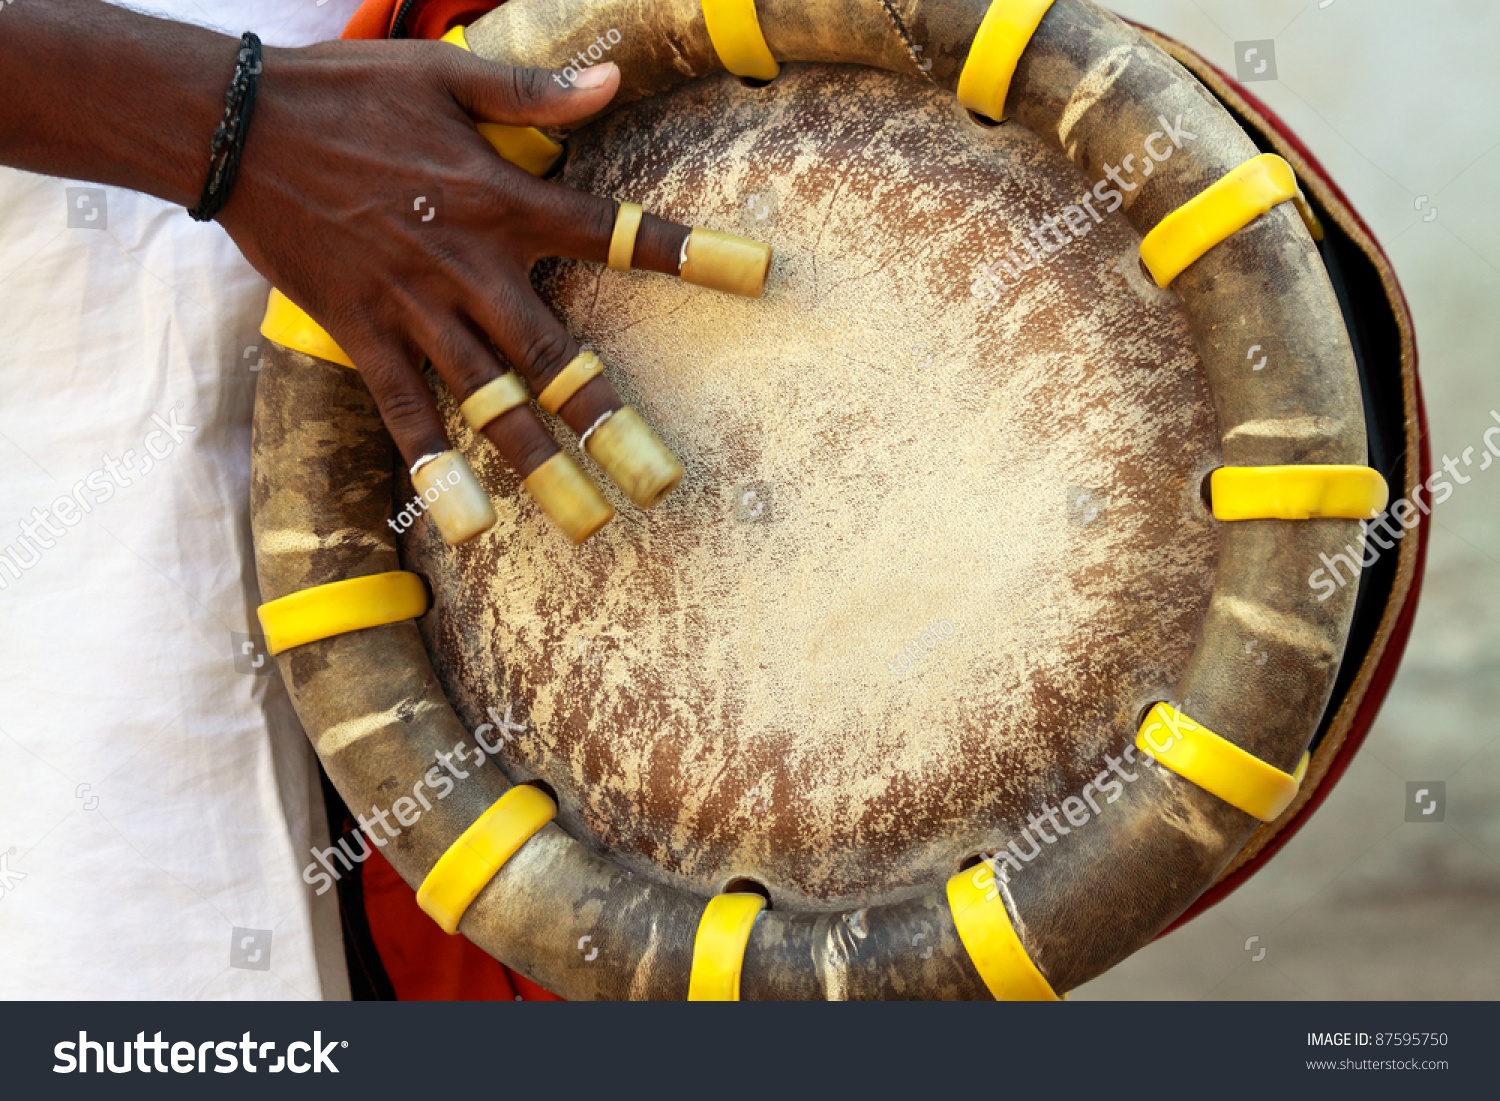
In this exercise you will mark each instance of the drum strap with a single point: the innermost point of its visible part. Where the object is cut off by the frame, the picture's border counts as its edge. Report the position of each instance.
(734, 29)
(480, 852)
(1002, 38)
(1306, 492)
(340, 607)
(1220, 211)
(985, 928)
(719, 950)
(1215, 764)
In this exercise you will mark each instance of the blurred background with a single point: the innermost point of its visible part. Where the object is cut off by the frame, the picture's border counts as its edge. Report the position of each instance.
(1401, 104)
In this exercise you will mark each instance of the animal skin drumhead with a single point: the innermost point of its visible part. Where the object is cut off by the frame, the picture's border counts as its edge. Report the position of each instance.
(932, 552)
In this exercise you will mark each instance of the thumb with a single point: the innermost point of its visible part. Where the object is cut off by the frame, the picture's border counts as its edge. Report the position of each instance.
(518, 96)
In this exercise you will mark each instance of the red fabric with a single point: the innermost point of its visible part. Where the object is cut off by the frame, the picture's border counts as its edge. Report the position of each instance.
(1385, 672)
(431, 19)
(425, 964)
(372, 20)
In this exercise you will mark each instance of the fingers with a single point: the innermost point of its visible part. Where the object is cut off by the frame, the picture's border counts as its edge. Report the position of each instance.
(658, 245)
(581, 226)
(517, 96)
(496, 406)
(571, 385)
(541, 348)
(446, 487)
(585, 227)
(466, 365)
(406, 406)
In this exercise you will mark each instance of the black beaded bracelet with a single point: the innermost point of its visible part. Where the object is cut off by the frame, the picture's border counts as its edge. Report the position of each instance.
(229, 139)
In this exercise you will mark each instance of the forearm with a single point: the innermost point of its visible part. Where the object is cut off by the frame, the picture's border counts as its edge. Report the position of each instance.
(93, 92)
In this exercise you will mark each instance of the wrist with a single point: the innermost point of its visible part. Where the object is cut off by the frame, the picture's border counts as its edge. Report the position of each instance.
(228, 144)
(103, 94)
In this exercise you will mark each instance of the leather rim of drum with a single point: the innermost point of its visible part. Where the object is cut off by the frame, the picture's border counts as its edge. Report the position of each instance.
(377, 716)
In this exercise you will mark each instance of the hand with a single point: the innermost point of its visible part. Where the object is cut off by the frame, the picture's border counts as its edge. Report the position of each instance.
(342, 132)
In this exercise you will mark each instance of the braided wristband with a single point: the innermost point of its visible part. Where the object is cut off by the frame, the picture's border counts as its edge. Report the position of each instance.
(229, 139)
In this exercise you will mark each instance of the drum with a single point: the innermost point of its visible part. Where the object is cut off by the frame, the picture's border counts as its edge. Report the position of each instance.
(1014, 597)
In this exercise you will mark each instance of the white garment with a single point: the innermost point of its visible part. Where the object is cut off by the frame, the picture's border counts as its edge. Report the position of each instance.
(157, 805)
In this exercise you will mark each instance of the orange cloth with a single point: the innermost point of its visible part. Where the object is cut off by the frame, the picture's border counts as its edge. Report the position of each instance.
(424, 963)
(431, 19)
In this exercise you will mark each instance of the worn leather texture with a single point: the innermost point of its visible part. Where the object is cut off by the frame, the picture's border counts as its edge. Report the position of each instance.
(1336, 209)
(707, 687)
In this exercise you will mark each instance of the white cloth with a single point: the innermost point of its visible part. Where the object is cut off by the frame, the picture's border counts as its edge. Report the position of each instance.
(157, 804)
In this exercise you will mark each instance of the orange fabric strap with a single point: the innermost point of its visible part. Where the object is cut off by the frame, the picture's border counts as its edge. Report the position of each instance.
(372, 20)
(432, 19)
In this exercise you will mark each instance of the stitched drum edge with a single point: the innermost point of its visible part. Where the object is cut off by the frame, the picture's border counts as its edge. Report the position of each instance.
(1336, 207)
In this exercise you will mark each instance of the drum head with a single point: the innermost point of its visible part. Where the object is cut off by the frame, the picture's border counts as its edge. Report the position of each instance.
(932, 552)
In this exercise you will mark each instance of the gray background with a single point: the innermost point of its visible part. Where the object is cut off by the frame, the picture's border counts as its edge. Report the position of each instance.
(1398, 101)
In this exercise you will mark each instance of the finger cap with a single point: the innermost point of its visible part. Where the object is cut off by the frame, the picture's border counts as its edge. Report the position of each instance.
(635, 458)
(569, 497)
(724, 262)
(452, 495)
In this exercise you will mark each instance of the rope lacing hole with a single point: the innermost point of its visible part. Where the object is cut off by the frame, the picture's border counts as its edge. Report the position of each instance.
(1206, 491)
(746, 885)
(1140, 720)
(546, 789)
